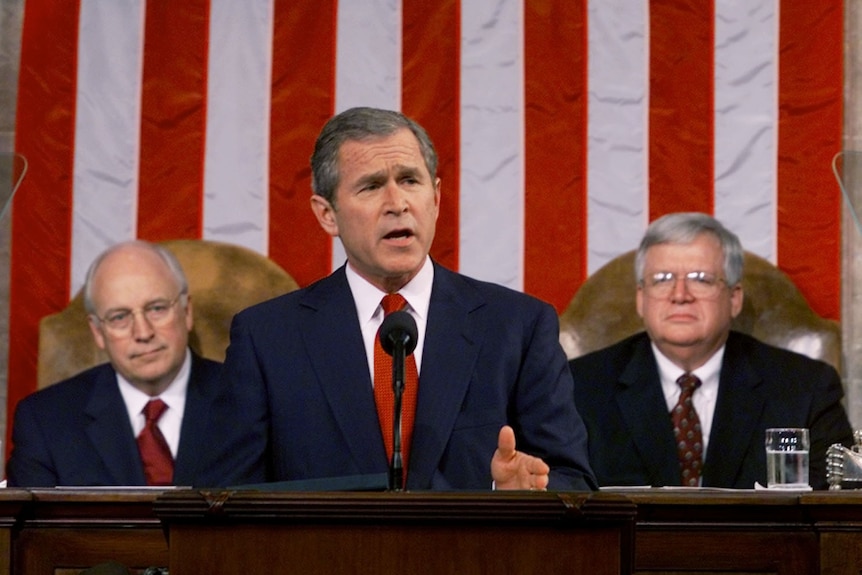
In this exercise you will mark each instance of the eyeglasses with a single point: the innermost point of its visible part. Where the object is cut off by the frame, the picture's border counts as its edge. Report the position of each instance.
(157, 313)
(703, 285)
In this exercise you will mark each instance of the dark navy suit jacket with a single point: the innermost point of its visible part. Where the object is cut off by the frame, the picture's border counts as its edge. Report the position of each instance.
(619, 395)
(77, 432)
(491, 357)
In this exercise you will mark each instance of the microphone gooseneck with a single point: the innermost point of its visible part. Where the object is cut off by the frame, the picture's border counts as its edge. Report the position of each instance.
(398, 337)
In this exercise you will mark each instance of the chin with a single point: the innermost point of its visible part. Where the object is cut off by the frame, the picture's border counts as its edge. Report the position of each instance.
(682, 337)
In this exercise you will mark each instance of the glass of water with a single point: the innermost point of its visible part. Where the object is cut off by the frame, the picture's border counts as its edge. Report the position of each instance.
(787, 458)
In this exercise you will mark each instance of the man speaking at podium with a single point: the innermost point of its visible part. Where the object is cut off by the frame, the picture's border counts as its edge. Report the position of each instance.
(493, 406)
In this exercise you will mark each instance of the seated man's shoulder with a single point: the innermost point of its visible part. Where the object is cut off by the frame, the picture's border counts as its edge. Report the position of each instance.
(782, 368)
(613, 356)
(760, 352)
(64, 395)
(209, 368)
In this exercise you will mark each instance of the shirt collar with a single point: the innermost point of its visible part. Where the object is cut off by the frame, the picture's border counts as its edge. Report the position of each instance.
(174, 396)
(708, 373)
(417, 292)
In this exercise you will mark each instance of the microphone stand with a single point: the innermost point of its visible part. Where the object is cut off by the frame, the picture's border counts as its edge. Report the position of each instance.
(396, 467)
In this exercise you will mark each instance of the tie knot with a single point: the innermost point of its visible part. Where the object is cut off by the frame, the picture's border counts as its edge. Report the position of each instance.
(688, 382)
(392, 302)
(153, 410)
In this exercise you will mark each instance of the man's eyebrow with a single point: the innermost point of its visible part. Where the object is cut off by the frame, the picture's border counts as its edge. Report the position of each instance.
(147, 303)
(370, 178)
(403, 170)
(400, 170)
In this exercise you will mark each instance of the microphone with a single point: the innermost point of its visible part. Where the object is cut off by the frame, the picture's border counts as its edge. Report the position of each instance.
(398, 337)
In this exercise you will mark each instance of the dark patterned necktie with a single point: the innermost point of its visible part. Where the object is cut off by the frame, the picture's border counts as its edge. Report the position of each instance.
(155, 453)
(384, 395)
(686, 430)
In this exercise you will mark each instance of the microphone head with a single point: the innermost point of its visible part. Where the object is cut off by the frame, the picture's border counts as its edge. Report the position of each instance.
(399, 326)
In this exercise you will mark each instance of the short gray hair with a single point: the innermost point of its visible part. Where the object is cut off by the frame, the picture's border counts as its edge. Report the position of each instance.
(166, 256)
(683, 228)
(358, 124)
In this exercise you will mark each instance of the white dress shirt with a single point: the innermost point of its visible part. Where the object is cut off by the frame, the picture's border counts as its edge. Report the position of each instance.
(174, 397)
(704, 397)
(367, 298)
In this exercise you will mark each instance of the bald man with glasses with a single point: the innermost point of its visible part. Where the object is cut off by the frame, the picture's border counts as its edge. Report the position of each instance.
(686, 402)
(144, 417)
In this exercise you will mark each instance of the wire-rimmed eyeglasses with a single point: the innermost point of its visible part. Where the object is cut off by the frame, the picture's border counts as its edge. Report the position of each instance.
(157, 313)
(699, 284)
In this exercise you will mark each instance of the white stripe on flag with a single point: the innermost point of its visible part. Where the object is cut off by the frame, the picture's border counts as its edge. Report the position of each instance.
(492, 142)
(236, 166)
(617, 155)
(107, 129)
(746, 116)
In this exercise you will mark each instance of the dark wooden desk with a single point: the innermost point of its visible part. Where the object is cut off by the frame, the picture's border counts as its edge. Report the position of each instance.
(270, 532)
(12, 503)
(61, 531)
(684, 531)
(837, 518)
(675, 531)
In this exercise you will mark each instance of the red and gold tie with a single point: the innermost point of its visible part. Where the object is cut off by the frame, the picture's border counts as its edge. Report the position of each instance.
(686, 430)
(155, 453)
(384, 395)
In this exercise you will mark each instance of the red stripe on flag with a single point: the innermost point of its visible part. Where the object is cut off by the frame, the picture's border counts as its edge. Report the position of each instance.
(173, 120)
(303, 98)
(555, 64)
(809, 135)
(681, 92)
(42, 212)
(431, 57)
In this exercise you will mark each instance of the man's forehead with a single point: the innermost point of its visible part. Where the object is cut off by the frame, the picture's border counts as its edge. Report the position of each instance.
(694, 249)
(399, 142)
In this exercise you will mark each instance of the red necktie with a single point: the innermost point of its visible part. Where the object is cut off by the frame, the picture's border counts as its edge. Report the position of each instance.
(155, 453)
(686, 430)
(384, 395)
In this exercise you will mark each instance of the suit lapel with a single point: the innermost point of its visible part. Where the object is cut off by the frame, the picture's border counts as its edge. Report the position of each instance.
(738, 410)
(452, 344)
(641, 401)
(333, 339)
(194, 434)
(110, 432)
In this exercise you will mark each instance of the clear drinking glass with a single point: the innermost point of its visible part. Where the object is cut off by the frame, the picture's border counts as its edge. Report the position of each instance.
(787, 458)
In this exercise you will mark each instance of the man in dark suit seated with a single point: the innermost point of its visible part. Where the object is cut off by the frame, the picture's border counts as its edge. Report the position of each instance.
(493, 403)
(689, 271)
(91, 429)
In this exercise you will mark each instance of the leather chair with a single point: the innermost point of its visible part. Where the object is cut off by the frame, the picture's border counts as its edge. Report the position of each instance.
(223, 279)
(603, 312)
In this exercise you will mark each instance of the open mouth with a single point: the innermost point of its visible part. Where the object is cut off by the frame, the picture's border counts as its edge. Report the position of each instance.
(398, 235)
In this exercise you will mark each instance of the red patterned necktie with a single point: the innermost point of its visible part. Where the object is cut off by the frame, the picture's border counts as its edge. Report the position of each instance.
(686, 430)
(155, 453)
(384, 395)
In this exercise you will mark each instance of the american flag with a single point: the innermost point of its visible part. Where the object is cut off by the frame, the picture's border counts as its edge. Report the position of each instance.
(564, 127)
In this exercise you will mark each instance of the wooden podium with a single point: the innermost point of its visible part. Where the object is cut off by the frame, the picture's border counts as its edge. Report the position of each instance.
(228, 532)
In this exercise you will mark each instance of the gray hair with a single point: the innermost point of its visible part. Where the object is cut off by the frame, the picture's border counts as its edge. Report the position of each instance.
(166, 256)
(683, 228)
(358, 124)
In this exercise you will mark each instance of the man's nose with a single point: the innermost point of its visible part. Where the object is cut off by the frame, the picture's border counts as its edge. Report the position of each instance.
(141, 326)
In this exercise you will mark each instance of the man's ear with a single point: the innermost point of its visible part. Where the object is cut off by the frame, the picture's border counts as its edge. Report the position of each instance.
(736, 298)
(325, 214)
(189, 318)
(98, 336)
